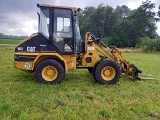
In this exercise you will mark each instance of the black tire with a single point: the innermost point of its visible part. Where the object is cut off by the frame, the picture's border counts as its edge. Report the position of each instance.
(49, 71)
(90, 69)
(106, 71)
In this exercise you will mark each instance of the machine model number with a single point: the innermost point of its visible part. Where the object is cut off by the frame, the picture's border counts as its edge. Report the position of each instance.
(27, 66)
(31, 49)
(90, 48)
(20, 48)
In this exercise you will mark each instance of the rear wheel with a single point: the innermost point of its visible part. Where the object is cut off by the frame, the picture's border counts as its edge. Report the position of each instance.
(49, 71)
(107, 72)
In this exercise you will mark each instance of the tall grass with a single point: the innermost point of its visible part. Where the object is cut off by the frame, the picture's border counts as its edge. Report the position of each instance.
(79, 97)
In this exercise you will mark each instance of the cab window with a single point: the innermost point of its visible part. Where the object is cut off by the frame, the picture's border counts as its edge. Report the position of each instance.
(62, 32)
(44, 22)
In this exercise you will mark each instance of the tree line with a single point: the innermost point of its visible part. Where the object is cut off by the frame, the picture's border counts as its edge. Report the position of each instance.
(12, 36)
(120, 26)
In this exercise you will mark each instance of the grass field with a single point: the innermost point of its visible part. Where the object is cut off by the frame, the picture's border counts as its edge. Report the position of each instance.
(9, 41)
(78, 97)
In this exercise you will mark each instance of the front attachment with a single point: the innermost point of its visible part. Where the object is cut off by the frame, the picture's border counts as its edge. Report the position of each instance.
(135, 72)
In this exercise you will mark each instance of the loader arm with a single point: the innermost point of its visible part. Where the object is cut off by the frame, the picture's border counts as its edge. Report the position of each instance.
(114, 54)
(126, 67)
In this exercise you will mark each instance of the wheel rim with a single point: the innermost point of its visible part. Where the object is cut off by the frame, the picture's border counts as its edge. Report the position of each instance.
(49, 73)
(108, 73)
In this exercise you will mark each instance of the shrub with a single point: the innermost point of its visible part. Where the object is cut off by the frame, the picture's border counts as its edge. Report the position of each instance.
(148, 44)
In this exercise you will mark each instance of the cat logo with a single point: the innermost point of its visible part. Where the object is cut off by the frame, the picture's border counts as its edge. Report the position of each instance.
(31, 49)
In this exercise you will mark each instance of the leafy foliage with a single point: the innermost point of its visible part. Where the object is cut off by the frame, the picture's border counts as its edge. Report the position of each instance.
(123, 26)
(144, 21)
(148, 44)
(122, 35)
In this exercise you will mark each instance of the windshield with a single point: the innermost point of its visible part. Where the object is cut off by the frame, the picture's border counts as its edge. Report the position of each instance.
(44, 22)
(78, 35)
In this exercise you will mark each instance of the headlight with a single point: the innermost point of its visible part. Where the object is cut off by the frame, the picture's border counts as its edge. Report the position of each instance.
(16, 57)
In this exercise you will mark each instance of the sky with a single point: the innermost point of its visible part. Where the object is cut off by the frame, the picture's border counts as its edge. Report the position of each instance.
(19, 17)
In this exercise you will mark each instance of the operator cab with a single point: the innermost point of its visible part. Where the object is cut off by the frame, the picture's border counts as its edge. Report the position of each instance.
(60, 26)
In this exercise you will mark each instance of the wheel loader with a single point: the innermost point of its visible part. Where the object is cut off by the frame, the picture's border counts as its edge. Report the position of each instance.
(57, 48)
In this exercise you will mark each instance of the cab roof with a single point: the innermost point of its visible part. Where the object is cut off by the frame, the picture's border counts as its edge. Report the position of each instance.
(55, 6)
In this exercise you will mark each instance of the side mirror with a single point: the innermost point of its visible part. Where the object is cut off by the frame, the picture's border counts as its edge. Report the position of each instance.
(38, 5)
(79, 9)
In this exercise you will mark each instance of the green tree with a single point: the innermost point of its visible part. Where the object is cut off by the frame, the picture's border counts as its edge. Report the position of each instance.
(122, 12)
(144, 21)
(131, 27)
(98, 20)
(123, 27)
(85, 21)
(122, 34)
(110, 20)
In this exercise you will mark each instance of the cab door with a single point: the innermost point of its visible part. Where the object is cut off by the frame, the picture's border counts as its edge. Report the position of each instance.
(63, 35)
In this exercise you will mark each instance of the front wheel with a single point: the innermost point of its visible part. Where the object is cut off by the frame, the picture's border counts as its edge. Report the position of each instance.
(49, 71)
(91, 69)
(107, 72)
